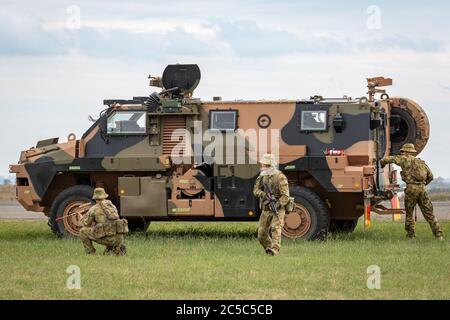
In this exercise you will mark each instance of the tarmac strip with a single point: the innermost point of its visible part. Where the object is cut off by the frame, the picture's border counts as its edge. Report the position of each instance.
(10, 210)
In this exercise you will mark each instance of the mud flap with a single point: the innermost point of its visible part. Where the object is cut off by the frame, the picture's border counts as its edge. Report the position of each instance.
(395, 204)
(367, 209)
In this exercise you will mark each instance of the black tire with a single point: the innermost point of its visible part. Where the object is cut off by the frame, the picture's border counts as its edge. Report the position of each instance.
(78, 193)
(319, 216)
(414, 126)
(138, 224)
(343, 226)
(406, 130)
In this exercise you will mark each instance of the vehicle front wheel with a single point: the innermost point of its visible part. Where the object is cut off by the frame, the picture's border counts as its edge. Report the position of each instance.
(310, 218)
(62, 220)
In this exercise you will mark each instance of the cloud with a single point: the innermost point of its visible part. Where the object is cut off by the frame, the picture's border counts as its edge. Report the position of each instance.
(401, 43)
(248, 39)
(23, 33)
(145, 45)
(444, 87)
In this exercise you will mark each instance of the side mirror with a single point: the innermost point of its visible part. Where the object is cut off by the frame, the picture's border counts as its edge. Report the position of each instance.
(338, 123)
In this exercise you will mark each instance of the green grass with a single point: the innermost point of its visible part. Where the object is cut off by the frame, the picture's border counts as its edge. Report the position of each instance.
(224, 260)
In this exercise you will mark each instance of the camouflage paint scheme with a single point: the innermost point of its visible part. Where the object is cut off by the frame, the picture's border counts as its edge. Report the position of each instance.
(137, 171)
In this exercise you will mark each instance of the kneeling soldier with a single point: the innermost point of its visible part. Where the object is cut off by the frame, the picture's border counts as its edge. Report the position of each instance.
(103, 225)
(416, 174)
(271, 223)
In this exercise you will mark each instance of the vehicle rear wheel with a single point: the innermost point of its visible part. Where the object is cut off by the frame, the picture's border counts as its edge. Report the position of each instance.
(310, 218)
(343, 226)
(62, 221)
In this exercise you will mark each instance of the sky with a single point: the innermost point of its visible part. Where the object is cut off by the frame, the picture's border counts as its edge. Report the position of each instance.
(60, 59)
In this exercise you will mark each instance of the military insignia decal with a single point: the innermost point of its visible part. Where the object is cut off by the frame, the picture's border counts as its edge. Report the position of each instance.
(264, 121)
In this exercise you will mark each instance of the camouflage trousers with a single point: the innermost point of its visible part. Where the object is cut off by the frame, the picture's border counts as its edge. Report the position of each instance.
(114, 244)
(417, 194)
(269, 230)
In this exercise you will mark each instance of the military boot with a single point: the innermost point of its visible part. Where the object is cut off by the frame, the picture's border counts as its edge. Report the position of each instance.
(108, 251)
(275, 251)
(90, 251)
(411, 236)
(120, 250)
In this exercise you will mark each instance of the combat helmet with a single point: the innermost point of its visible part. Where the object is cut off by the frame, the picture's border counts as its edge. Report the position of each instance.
(99, 194)
(408, 147)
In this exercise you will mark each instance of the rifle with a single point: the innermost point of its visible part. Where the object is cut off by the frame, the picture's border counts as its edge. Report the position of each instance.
(270, 197)
(82, 209)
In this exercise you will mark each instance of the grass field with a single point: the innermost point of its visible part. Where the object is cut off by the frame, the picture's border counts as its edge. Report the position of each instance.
(224, 260)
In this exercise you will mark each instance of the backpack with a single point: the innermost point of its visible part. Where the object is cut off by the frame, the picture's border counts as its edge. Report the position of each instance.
(110, 210)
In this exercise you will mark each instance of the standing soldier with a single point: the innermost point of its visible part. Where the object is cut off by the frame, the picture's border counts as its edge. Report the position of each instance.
(416, 174)
(270, 224)
(102, 224)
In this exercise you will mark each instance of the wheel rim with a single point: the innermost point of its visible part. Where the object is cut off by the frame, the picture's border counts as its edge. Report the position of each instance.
(297, 223)
(72, 223)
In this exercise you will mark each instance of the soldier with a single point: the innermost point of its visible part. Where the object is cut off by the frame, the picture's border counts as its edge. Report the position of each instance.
(270, 224)
(101, 224)
(416, 175)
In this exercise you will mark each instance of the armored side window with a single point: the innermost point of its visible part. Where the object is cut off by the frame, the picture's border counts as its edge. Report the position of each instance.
(127, 122)
(223, 120)
(313, 120)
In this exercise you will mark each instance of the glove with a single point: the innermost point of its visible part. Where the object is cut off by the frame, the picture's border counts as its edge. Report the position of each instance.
(261, 194)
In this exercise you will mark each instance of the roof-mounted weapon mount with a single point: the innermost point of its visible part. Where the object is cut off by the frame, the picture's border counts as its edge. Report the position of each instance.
(178, 80)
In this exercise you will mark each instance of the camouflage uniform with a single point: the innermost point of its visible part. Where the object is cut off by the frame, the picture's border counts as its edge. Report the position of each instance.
(270, 225)
(102, 225)
(415, 192)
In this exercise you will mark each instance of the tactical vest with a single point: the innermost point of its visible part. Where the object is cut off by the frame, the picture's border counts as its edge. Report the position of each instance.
(274, 184)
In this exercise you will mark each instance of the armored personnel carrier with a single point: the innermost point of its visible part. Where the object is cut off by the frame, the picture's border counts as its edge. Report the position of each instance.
(170, 156)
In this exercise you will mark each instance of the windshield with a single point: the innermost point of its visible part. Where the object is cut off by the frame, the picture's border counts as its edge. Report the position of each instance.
(125, 122)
